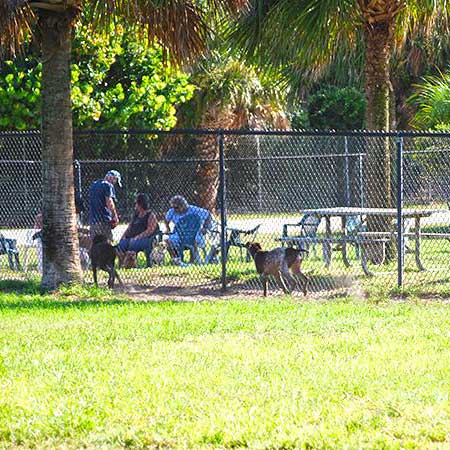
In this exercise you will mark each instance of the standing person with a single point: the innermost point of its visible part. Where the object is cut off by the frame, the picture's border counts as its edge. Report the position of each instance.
(103, 215)
(142, 230)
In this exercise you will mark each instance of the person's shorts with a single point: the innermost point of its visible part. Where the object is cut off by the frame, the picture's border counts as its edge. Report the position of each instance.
(101, 228)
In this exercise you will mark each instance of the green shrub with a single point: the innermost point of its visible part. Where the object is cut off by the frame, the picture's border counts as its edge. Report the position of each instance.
(334, 108)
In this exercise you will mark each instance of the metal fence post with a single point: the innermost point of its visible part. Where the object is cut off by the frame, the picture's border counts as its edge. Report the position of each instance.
(361, 183)
(259, 172)
(78, 189)
(400, 237)
(346, 173)
(223, 212)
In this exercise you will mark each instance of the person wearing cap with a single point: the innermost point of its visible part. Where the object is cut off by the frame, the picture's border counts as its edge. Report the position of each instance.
(102, 208)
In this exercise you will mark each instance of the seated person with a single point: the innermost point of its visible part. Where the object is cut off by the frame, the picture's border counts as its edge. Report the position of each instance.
(142, 229)
(179, 209)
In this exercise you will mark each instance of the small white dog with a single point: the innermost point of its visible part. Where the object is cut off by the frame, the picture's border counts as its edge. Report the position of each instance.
(158, 253)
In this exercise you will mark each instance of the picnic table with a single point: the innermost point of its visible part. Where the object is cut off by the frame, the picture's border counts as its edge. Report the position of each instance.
(367, 239)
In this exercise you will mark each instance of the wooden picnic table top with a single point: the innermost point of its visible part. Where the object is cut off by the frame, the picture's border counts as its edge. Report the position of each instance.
(342, 211)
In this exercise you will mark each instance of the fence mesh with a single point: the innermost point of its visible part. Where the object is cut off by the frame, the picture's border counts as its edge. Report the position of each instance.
(335, 197)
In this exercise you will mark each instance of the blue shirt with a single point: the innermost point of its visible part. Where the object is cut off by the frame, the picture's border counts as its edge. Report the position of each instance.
(98, 211)
(174, 217)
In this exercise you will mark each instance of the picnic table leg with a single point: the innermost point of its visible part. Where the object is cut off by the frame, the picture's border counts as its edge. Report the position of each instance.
(344, 243)
(365, 260)
(417, 236)
(327, 244)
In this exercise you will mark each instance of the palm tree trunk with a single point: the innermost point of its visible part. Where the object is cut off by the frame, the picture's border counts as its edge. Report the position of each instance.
(207, 172)
(378, 40)
(378, 37)
(61, 262)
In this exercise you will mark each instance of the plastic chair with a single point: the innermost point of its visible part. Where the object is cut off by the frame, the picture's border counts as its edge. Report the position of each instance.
(187, 229)
(353, 226)
(236, 237)
(32, 241)
(8, 247)
(307, 227)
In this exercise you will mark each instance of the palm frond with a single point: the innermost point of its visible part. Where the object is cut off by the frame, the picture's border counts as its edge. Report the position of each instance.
(432, 98)
(181, 26)
(15, 19)
(305, 33)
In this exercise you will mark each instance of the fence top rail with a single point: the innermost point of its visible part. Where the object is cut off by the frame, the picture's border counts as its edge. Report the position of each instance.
(249, 132)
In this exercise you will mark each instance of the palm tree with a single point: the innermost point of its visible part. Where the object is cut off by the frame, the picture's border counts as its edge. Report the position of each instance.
(311, 34)
(180, 26)
(229, 95)
(432, 98)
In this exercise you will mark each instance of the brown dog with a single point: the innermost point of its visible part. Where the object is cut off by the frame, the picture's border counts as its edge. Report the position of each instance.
(127, 260)
(282, 263)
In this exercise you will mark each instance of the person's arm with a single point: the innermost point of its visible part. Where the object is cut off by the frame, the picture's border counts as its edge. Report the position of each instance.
(167, 220)
(208, 221)
(152, 225)
(112, 207)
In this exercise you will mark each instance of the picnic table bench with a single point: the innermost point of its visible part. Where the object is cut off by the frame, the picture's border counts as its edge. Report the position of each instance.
(370, 242)
(364, 242)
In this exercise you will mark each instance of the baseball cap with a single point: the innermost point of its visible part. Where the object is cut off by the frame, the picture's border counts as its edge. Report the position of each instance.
(116, 174)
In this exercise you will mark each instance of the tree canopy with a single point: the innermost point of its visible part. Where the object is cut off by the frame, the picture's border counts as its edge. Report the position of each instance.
(117, 82)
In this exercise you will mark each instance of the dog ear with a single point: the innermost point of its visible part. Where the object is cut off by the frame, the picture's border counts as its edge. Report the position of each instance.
(256, 246)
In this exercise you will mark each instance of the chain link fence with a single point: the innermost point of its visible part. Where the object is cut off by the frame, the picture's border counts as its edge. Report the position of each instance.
(364, 209)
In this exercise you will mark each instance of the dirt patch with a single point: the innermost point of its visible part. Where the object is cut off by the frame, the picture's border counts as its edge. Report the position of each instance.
(211, 292)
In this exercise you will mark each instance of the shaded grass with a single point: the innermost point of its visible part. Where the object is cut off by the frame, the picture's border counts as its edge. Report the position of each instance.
(241, 274)
(87, 368)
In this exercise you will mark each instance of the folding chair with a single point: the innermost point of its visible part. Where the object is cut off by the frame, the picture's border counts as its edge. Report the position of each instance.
(8, 247)
(236, 237)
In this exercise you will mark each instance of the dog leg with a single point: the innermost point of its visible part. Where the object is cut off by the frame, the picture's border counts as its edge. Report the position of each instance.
(281, 283)
(305, 280)
(265, 282)
(118, 278)
(94, 273)
(111, 277)
(305, 283)
(292, 281)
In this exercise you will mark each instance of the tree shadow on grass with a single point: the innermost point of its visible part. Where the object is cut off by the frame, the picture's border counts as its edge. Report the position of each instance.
(319, 284)
(28, 287)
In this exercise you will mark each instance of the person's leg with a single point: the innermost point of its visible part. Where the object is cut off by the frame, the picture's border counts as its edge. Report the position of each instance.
(123, 246)
(172, 245)
(138, 245)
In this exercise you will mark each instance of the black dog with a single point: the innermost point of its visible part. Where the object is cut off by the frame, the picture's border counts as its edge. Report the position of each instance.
(103, 256)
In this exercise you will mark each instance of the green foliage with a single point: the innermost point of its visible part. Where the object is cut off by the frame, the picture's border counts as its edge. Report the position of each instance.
(20, 87)
(117, 82)
(224, 82)
(432, 98)
(300, 119)
(337, 108)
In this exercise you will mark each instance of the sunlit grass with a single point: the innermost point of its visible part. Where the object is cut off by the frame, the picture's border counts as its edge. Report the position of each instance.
(85, 368)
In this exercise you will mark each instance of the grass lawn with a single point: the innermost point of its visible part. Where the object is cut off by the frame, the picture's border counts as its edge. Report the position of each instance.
(92, 369)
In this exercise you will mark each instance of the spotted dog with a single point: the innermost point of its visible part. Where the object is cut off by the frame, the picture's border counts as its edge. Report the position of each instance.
(283, 263)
